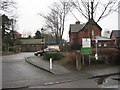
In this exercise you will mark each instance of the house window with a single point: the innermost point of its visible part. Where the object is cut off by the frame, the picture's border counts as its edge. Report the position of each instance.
(32, 45)
(99, 45)
(105, 44)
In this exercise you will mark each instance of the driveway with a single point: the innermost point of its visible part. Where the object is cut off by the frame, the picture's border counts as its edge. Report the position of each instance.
(16, 72)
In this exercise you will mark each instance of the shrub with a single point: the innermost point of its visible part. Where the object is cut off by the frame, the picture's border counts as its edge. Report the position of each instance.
(101, 59)
(114, 59)
(53, 55)
(11, 49)
(71, 58)
(4, 48)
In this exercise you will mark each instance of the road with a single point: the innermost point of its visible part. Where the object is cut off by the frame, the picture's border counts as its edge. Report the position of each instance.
(17, 73)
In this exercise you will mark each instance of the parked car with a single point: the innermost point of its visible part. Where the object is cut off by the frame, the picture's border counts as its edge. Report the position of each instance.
(41, 52)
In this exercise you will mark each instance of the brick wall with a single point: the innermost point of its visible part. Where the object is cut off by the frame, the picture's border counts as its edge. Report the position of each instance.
(86, 33)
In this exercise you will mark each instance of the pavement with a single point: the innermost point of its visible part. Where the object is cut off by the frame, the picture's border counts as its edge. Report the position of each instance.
(97, 72)
(45, 65)
(58, 69)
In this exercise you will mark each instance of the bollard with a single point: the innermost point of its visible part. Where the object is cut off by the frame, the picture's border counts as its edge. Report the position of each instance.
(96, 56)
(50, 63)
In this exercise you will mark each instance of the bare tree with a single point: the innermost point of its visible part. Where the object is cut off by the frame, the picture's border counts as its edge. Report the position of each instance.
(100, 9)
(52, 23)
(8, 7)
(55, 20)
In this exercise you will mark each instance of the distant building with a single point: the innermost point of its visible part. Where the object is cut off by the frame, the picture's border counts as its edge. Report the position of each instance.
(30, 45)
(106, 33)
(115, 35)
(104, 42)
(15, 34)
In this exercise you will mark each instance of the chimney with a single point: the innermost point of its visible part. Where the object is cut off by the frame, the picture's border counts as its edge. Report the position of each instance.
(77, 22)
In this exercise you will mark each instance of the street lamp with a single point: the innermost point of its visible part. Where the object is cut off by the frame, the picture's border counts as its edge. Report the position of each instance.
(43, 40)
(42, 33)
(13, 32)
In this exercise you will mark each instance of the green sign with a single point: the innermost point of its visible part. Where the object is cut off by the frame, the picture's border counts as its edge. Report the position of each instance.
(86, 50)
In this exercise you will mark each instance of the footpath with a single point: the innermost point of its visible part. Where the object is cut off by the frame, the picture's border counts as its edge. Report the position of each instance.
(45, 65)
(58, 69)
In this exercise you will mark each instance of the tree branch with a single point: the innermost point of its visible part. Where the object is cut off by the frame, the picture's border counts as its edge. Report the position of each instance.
(105, 9)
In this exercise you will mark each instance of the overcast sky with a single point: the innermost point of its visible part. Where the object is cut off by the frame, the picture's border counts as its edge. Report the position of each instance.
(29, 21)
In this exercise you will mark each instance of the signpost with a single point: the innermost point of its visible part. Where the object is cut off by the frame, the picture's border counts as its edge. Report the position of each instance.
(86, 48)
(86, 42)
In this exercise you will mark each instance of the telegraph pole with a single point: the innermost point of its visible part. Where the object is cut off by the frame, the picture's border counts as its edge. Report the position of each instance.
(91, 21)
(92, 10)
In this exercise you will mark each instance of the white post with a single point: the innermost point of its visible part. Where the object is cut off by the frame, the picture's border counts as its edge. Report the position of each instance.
(96, 55)
(50, 63)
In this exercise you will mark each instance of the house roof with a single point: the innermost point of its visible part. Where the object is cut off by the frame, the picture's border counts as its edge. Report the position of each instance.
(99, 38)
(76, 27)
(79, 27)
(15, 32)
(116, 33)
(31, 41)
(95, 23)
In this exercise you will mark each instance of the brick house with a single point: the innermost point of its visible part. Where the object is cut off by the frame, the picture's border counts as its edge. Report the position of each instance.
(104, 42)
(115, 35)
(15, 34)
(74, 31)
(78, 31)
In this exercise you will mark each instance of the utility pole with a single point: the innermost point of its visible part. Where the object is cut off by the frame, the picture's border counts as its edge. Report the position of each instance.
(91, 21)
(43, 37)
(88, 12)
(92, 10)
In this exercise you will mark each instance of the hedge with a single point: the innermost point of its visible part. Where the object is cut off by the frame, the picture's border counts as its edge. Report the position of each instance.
(53, 55)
